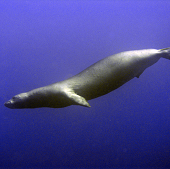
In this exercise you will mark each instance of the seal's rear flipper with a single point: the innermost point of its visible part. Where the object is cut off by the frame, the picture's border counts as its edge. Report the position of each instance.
(77, 99)
(166, 52)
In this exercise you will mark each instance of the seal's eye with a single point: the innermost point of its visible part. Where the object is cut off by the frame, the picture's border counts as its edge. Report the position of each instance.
(15, 98)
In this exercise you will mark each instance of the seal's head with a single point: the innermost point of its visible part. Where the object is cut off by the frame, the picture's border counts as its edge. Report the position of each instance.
(17, 102)
(32, 99)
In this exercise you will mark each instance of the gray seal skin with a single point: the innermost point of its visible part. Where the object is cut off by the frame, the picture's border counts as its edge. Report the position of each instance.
(99, 79)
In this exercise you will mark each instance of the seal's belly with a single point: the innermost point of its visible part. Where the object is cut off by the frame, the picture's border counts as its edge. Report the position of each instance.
(103, 77)
(110, 73)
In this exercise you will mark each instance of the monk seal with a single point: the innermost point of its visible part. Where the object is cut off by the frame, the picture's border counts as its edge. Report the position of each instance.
(99, 79)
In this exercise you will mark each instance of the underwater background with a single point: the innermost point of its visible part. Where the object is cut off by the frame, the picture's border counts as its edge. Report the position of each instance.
(43, 42)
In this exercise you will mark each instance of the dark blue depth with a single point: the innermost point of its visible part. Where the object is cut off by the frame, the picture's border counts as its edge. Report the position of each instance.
(42, 42)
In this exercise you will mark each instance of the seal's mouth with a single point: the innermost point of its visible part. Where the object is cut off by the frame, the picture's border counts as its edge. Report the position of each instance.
(9, 104)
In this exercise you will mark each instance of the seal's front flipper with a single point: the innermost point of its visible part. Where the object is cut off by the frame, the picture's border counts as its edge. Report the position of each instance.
(77, 99)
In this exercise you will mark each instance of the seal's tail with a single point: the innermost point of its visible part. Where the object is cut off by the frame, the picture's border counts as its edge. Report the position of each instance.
(166, 52)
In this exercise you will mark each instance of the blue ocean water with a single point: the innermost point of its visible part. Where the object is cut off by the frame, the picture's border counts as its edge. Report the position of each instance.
(42, 42)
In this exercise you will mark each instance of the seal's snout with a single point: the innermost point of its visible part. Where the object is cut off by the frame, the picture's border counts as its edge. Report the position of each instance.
(8, 104)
